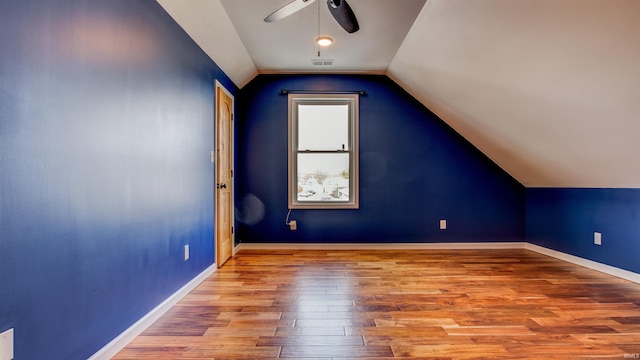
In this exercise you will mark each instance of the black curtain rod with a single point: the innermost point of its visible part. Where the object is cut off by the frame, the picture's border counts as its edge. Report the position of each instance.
(285, 92)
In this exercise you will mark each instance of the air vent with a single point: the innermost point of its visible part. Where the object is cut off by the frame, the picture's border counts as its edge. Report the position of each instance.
(322, 62)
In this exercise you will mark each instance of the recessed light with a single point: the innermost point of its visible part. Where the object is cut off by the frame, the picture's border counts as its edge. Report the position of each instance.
(324, 41)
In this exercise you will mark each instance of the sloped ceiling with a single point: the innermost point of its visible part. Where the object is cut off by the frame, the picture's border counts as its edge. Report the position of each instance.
(548, 89)
(207, 23)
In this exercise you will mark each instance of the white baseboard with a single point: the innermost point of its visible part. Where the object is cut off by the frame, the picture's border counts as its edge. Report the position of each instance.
(607, 269)
(122, 340)
(386, 246)
(590, 264)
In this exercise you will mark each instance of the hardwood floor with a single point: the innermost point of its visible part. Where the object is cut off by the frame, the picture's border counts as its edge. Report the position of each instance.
(425, 304)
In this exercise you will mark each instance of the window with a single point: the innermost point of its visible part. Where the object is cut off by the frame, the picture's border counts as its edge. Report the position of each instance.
(323, 151)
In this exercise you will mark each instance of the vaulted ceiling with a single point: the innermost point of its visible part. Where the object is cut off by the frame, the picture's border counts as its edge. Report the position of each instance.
(548, 89)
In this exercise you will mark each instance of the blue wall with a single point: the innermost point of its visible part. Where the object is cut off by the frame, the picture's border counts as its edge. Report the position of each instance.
(565, 220)
(414, 170)
(106, 123)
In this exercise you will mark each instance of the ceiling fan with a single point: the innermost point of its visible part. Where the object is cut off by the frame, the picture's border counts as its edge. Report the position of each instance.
(340, 10)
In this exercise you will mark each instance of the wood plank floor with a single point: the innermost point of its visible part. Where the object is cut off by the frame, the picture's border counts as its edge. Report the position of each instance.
(426, 304)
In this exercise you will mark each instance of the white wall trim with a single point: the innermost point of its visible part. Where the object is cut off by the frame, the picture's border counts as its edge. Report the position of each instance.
(122, 340)
(386, 246)
(590, 264)
(593, 265)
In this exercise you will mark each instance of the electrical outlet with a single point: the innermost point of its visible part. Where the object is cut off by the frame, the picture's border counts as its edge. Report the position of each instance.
(6, 345)
(597, 238)
(293, 225)
(443, 224)
(186, 252)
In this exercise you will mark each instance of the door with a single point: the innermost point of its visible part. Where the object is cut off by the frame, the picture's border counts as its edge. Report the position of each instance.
(224, 175)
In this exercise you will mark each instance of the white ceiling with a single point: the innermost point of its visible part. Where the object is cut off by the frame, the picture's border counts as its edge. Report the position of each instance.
(548, 89)
(289, 44)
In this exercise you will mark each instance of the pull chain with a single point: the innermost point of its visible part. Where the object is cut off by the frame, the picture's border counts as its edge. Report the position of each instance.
(318, 29)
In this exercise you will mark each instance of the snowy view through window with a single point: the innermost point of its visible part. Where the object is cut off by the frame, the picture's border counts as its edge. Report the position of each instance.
(323, 153)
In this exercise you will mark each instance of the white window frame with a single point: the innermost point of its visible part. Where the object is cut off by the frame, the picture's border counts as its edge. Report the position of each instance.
(351, 100)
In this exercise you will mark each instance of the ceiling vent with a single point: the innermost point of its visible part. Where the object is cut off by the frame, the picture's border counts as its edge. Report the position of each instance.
(322, 62)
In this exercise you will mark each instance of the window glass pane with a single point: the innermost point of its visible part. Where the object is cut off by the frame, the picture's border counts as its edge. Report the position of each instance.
(323, 127)
(323, 177)
(323, 151)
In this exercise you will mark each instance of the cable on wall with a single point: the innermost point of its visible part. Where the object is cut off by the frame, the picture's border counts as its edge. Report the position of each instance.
(286, 221)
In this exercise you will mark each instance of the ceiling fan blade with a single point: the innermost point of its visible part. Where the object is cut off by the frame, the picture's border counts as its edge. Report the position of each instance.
(343, 14)
(288, 9)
